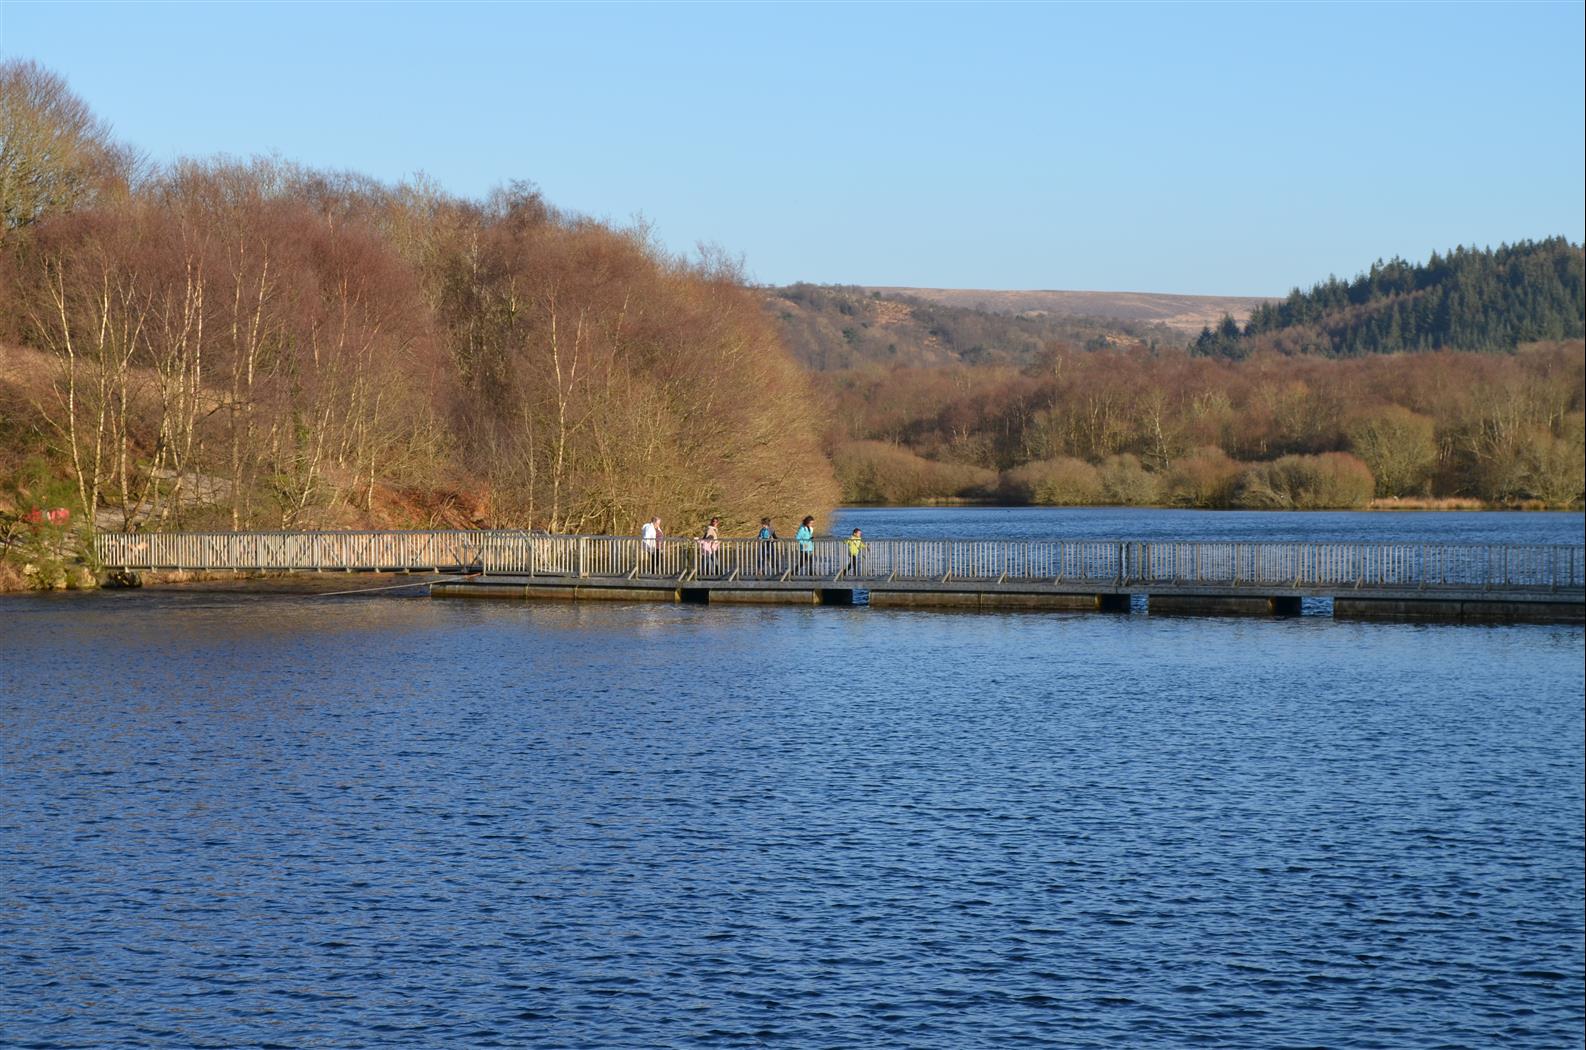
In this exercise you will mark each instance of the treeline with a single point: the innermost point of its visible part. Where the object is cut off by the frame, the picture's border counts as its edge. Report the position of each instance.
(1172, 428)
(255, 345)
(1469, 299)
(831, 327)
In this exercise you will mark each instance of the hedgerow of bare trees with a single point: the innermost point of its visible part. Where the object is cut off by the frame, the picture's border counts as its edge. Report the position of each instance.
(1168, 427)
(221, 345)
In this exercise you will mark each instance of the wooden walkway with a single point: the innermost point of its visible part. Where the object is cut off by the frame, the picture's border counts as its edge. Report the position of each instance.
(1390, 580)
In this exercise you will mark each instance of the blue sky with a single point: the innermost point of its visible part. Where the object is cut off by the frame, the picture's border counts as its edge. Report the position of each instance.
(1216, 149)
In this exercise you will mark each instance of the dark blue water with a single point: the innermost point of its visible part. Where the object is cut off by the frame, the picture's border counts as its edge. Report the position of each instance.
(231, 820)
(1147, 523)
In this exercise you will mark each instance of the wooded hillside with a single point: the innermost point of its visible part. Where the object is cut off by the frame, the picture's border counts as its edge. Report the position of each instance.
(1144, 427)
(1469, 299)
(932, 401)
(1184, 315)
(236, 344)
(252, 344)
(840, 326)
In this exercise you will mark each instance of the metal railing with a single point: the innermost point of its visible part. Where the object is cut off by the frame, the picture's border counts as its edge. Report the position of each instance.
(1113, 563)
(293, 551)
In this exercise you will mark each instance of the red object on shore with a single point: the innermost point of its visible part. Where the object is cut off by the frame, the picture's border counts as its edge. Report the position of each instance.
(51, 516)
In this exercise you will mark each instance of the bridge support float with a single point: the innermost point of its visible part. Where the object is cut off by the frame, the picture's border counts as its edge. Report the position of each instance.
(993, 600)
(750, 597)
(1223, 605)
(1461, 611)
(1354, 606)
(518, 590)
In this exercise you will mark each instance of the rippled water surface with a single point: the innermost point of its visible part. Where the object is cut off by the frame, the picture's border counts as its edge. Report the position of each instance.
(1243, 526)
(232, 820)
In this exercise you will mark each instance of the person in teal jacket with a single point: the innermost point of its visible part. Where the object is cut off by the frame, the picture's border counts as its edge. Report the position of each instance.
(768, 556)
(806, 541)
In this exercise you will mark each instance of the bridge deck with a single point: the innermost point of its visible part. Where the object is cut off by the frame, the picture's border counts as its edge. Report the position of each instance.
(1033, 587)
(1549, 575)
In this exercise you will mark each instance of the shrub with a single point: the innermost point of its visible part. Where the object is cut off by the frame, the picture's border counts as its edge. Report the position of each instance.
(1555, 467)
(1207, 477)
(1126, 483)
(45, 557)
(876, 472)
(1398, 446)
(1060, 482)
(1332, 480)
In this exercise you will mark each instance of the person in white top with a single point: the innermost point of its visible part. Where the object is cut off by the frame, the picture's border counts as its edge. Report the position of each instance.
(650, 539)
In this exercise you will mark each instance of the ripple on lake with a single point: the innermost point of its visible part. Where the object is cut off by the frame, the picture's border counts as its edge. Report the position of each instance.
(236, 820)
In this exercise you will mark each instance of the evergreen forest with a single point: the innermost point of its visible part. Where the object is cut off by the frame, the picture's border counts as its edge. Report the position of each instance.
(1469, 299)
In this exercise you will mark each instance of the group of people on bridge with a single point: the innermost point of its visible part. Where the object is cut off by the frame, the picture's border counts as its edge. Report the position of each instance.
(770, 556)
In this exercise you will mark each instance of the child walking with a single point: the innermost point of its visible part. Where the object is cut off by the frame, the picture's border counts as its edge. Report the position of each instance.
(856, 549)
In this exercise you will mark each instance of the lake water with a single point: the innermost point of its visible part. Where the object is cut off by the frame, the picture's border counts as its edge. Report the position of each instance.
(1147, 523)
(271, 820)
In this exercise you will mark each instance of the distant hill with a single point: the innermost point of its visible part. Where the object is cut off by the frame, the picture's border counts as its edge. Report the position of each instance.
(1187, 314)
(1468, 299)
(830, 327)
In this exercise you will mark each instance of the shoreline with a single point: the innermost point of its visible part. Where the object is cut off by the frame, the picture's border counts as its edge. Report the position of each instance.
(222, 582)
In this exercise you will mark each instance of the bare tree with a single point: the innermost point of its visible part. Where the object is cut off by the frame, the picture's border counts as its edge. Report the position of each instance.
(54, 152)
(92, 312)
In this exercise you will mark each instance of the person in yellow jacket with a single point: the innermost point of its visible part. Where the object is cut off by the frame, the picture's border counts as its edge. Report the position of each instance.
(856, 547)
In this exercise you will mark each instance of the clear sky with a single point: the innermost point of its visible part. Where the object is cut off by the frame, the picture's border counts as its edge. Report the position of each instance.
(1218, 149)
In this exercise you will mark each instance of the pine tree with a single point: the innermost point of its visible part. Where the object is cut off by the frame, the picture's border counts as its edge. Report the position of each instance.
(1466, 299)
